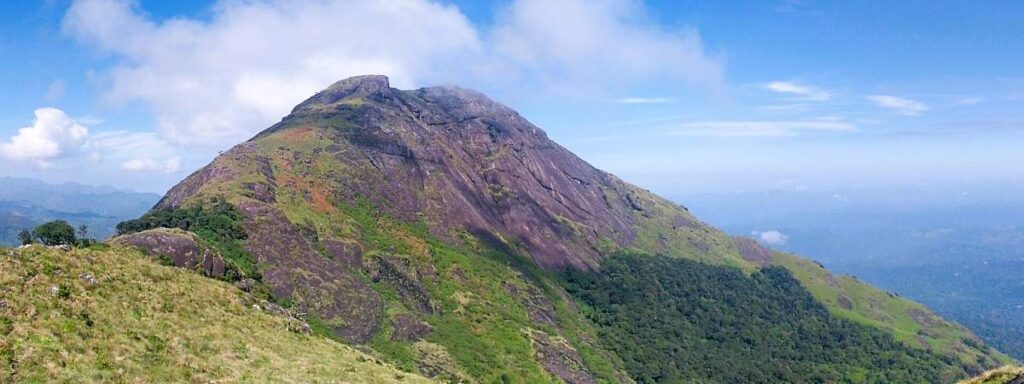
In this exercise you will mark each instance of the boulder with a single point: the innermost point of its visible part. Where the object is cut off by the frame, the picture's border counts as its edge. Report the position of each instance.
(182, 248)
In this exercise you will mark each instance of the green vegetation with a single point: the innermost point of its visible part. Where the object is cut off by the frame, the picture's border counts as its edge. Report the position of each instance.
(674, 320)
(479, 330)
(217, 223)
(25, 237)
(57, 232)
(113, 315)
(704, 312)
(909, 322)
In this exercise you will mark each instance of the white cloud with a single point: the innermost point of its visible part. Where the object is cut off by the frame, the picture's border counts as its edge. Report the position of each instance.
(574, 43)
(170, 165)
(970, 100)
(899, 104)
(771, 237)
(759, 128)
(220, 79)
(51, 136)
(136, 151)
(803, 91)
(643, 100)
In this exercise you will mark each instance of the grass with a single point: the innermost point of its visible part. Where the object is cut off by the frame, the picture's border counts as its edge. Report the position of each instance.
(143, 322)
(870, 306)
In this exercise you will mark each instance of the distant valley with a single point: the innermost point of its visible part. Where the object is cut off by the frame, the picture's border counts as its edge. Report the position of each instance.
(26, 203)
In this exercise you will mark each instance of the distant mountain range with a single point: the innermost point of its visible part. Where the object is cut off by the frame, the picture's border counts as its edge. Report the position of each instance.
(25, 203)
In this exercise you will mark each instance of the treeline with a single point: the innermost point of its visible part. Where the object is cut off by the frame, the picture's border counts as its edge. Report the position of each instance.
(674, 320)
(216, 222)
(57, 233)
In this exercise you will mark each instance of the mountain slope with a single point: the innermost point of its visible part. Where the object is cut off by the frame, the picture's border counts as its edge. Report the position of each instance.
(438, 217)
(1001, 375)
(114, 316)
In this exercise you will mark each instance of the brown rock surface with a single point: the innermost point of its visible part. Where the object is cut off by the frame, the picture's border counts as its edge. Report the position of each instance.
(181, 247)
(461, 162)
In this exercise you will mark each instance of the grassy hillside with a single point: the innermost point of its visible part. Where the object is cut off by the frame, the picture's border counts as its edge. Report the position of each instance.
(908, 321)
(112, 315)
(674, 320)
(845, 297)
(1002, 375)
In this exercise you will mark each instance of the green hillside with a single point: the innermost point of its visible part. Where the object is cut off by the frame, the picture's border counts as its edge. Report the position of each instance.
(434, 226)
(113, 315)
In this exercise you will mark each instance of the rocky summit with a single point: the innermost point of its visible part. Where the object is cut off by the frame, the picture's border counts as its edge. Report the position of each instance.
(460, 162)
(448, 234)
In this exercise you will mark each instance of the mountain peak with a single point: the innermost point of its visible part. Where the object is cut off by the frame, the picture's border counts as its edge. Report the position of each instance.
(440, 194)
(352, 87)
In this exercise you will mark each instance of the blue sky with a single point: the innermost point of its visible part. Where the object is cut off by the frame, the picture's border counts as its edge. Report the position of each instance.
(677, 96)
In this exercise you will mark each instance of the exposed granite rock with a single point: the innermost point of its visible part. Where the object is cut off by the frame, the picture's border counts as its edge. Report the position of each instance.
(349, 253)
(753, 251)
(559, 358)
(408, 327)
(458, 161)
(295, 271)
(434, 361)
(183, 248)
(538, 307)
(397, 273)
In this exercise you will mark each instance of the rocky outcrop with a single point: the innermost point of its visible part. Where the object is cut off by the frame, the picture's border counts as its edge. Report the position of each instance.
(752, 251)
(408, 327)
(560, 359)
(296, 272)
(181, 248)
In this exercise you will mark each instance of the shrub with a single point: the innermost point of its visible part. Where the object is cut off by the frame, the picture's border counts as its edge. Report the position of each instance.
(25, 237)
(57, 232)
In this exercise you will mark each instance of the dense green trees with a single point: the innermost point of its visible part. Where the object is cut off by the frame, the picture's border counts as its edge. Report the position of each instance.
(57, 232)
(217, 222)
(673, 320)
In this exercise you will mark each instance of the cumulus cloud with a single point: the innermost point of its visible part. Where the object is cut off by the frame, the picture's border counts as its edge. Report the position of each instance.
(770, 237)
(803, 91)
(135, 151)
(576, 42)
(170, 165)
(52, 135)
(899, 104)
(220, 79)
(768, 128)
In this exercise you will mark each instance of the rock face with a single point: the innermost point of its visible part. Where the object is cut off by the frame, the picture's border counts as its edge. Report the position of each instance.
(559, 358)
(462, 162)
(182, 248)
